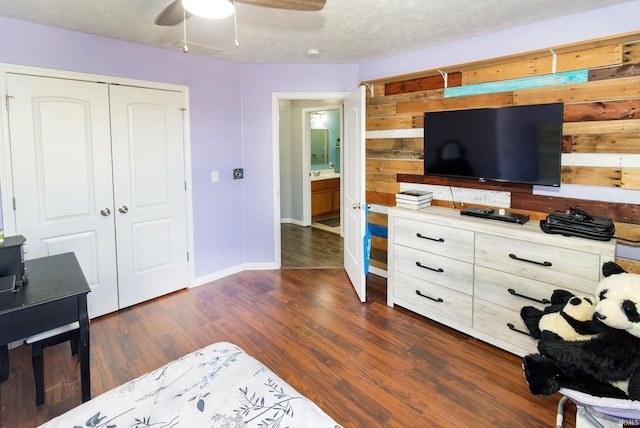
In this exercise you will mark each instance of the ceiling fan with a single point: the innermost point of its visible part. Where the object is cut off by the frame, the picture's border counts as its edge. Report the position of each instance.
(175, 14)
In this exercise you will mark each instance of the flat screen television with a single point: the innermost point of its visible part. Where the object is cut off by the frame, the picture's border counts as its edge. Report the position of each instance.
(519, 144)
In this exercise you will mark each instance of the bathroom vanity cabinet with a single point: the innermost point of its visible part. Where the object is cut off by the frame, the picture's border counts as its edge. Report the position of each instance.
(325, 197)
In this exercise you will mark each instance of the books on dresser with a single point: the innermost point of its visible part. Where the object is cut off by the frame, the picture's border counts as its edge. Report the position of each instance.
(413, 199)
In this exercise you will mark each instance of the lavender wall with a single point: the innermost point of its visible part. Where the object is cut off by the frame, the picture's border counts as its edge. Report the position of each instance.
(259, 82)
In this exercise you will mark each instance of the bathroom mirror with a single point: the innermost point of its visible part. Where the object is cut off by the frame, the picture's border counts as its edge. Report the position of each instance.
(319, 146)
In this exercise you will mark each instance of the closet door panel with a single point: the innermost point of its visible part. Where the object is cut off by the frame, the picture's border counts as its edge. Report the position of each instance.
(149, 192)
(61, 158)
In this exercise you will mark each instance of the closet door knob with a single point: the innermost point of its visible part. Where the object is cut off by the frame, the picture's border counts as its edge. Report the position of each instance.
(105, 212)
(123, 209)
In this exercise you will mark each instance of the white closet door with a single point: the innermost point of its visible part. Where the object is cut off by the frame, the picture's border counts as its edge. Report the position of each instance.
(149, 192)
(61, 160)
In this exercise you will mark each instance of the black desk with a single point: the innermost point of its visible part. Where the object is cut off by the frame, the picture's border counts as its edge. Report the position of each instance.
(55, 294)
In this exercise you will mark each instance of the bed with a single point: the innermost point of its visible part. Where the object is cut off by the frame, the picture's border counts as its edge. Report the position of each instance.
(217, 386)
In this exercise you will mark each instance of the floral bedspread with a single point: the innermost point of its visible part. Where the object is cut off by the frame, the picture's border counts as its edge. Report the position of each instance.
(217, 386)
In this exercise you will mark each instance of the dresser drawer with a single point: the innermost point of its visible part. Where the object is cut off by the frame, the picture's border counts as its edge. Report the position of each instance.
(439, 270)
(440, 301)
(442, 240)
(494, 320)
(562, 267)
(514, 292)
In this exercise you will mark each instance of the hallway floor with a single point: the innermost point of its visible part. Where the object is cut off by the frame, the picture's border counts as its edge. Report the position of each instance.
(310, 247)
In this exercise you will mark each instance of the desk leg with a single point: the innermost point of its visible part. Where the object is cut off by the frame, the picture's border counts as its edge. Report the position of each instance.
(83, 351)
(4, 362)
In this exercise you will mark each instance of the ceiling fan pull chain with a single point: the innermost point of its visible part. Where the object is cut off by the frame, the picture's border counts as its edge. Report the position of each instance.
(185, 49)
(235, 21)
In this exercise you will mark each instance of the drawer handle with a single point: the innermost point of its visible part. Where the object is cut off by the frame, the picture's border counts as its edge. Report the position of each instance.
(419, 235)
(514, 257)
(513, 328)
(419, 293)
(430, 268)
(514, 293)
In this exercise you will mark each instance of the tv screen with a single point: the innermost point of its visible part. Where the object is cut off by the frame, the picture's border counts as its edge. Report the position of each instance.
(520, 144)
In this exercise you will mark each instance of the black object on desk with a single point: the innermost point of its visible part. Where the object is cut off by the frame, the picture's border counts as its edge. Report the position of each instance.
(54, 296)
(12, 258)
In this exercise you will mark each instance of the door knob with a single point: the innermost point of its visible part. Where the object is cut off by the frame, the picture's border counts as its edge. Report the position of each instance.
(105, 212)
(123, 209)
(360, 206)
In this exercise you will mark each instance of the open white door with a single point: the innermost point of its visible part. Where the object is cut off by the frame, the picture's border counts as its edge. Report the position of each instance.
(354, 189)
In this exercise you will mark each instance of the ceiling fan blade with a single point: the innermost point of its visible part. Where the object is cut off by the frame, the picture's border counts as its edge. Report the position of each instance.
(304, 5)
(172, 14)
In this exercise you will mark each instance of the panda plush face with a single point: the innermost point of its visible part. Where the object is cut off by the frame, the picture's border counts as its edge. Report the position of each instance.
(580, 308)
(618, 303)
(572, 322)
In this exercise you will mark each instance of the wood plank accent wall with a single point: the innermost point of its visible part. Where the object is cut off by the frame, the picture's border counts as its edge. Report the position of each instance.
(601, 143)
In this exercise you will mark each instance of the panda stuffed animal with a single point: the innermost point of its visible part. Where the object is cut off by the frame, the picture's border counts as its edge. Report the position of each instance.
(608, 363)
(569, 317)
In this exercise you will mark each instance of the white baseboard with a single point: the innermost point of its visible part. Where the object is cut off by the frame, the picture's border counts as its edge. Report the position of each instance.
(232, 270)
(260, 266)
(217, 275)
(292, 221)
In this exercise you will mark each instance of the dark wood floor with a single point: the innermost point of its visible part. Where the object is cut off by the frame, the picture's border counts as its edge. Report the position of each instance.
(366, 365)
(310, 247)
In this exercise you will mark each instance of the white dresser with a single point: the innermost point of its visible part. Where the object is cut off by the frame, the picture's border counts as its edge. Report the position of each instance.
(475, 275)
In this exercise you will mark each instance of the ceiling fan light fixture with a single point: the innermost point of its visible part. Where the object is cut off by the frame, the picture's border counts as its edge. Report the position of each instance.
(211, 9)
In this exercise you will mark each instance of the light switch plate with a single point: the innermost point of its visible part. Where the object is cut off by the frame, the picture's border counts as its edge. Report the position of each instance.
(214, 176)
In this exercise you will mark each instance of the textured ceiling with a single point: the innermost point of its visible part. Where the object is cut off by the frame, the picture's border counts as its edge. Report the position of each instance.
(345, 31)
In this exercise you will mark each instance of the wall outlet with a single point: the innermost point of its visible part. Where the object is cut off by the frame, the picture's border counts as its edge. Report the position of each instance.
(238, 173)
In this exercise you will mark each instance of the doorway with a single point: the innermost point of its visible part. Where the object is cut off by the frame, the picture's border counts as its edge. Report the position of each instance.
(292, 166)
(322, 150)
(353, 173)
